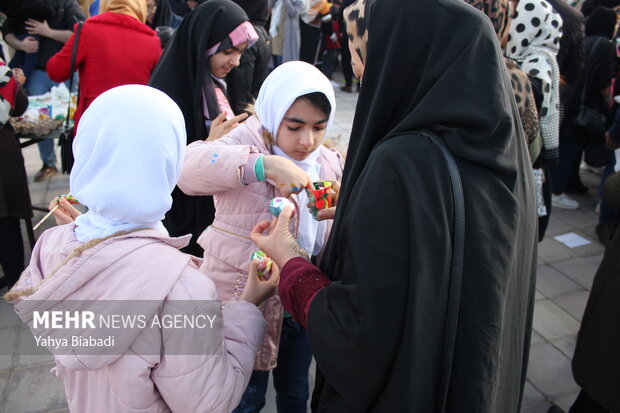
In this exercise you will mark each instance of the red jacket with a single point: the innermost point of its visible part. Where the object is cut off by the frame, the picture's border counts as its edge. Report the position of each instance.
(113, 49)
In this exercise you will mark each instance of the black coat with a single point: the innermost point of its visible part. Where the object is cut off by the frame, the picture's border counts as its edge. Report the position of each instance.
(596, 363)
(14, 194)
(59, 14)
(378, 330)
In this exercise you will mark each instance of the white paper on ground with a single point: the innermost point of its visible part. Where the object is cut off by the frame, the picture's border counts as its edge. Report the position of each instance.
(572, 240)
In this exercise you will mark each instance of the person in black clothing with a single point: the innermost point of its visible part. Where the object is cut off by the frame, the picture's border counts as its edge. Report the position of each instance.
(179, 7)
(589, 6)
(159, 13)
(592, 87)
(380, 312)
(345, 54)
(570, 61)
(14, 194)
(52, 21)
(596, 362)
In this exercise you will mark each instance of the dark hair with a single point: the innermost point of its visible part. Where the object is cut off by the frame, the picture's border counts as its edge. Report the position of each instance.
(590, 5)
(318, 100)
(601, 22)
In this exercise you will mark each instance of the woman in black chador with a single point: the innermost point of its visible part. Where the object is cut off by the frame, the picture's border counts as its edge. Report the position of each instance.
(378, 311)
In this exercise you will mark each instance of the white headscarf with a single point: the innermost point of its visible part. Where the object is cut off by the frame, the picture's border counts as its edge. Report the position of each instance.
(534, 42)
(282, 87)
(129, 151)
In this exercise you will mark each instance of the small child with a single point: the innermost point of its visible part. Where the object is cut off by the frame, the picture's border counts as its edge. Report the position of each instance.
(128, 155)
(332, 34)
(277, 152)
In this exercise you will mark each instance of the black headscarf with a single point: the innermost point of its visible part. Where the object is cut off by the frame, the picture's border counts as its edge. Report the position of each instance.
(570, 55)
(424, 71)
(181, 73)
(377, 332)
(163, 15)
(256, 10)
(182, 68)
(590, 5)
(601, 22)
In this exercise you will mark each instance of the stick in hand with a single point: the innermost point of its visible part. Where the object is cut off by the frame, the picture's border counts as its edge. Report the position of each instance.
(68, 197)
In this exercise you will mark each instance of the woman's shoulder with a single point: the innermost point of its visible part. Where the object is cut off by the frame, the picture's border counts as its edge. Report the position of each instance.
(117, 20)
(411, 152)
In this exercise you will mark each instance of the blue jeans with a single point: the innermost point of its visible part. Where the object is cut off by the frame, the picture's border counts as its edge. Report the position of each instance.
(290, 377)
(571, 147)
(330, 60)
(39, 83)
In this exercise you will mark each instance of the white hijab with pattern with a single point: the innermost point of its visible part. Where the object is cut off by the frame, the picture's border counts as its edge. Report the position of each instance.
(534, 42)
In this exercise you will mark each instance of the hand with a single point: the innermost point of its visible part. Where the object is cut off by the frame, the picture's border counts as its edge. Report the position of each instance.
(65, 213)
(288, 177)
(19, 76)
(37, 27)
(256, 290)
(30, 45)
(329, 213)
(279, 244)
(220, 126)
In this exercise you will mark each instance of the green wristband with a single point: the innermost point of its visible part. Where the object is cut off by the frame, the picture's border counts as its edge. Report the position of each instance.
(259, 168)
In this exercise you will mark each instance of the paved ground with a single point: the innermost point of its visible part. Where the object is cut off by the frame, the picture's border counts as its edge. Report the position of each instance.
(564, 281)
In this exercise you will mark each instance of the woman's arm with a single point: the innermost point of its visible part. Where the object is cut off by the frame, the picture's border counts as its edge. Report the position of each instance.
(300, 281)
(59, 65)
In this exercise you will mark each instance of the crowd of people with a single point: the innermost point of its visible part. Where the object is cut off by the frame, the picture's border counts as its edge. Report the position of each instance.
(414, 291)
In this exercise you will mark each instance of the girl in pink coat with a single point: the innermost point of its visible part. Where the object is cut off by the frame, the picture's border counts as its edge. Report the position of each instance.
(129, 154)
(276, 152)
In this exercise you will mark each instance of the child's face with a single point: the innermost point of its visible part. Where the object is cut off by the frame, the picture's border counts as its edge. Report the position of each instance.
(151, 8)
(223, 62)
(302, 129)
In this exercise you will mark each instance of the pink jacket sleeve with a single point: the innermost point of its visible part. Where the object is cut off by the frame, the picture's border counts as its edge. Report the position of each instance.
(217, 166)
(211, 383)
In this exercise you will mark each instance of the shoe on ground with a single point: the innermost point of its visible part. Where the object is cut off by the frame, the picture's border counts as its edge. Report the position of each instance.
(335, 84)
(45, 173)
(603, 232)
(555, 409)
(563, 201)
(595, 170)
(348, 89)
